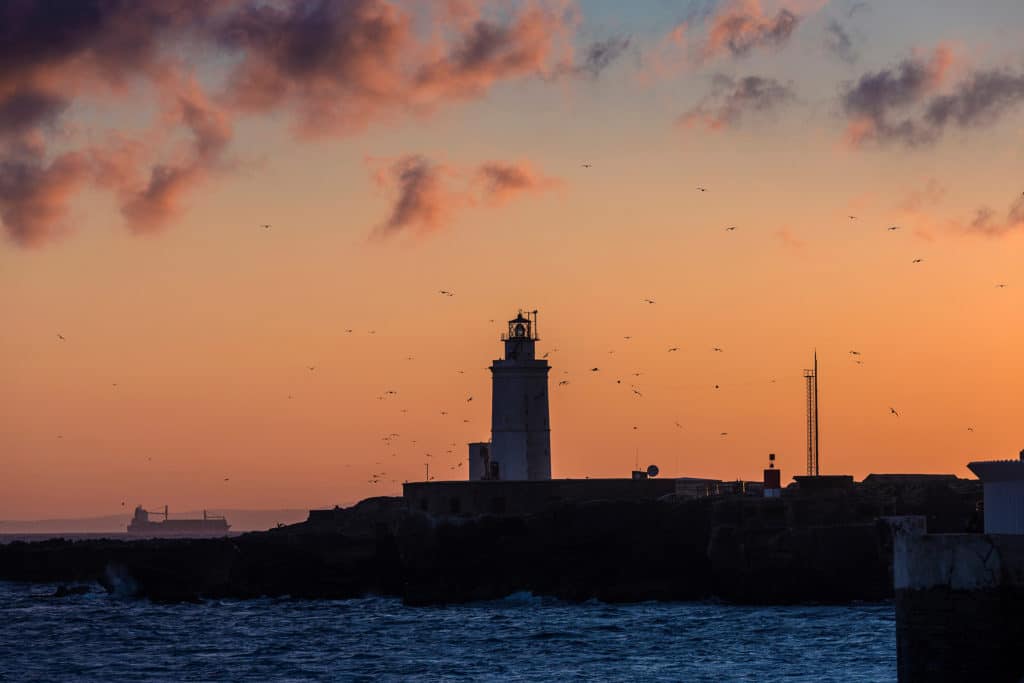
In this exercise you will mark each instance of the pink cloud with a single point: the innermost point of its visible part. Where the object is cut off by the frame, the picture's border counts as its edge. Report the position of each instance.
(502, 181)
(333, 67)
(427, 194)
(740, 26)
(34, 196)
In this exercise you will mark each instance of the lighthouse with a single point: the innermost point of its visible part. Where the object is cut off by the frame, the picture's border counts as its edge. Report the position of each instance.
(520, 446)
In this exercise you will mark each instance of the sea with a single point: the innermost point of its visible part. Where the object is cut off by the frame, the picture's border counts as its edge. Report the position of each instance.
(102, 637)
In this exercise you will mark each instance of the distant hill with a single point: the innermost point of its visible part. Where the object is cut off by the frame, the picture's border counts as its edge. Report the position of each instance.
(240, 520)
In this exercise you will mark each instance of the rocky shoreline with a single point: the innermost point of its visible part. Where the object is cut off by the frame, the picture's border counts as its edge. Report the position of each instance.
(830, 547)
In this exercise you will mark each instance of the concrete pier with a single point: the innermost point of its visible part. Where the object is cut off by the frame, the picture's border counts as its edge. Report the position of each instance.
(959, 605)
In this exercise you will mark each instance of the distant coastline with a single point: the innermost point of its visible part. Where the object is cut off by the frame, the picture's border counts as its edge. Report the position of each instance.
(114, 526)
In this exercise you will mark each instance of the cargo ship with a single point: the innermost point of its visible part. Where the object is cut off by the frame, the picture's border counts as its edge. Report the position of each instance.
(209, 525)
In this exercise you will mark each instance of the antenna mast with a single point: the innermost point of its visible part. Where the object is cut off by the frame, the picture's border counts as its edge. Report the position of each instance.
(811, 377)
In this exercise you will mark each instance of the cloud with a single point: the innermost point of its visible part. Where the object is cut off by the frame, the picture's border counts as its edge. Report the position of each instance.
(740, 26)
(343, 65)
(423, 203)
(987, 222)
(490, 51)
(150, 208)
(601, 54)
(978, 100)
(501, 180)
(23, 109)
(34, 196)
(838, 42)
(903, 104)
(332, 67)
(730, 100)
(870, 102)
(426, 193)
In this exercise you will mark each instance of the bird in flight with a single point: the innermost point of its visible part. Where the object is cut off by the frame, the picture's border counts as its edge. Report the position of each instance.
(648, 301)
(311, 368)
(594, 369)
(627, 338)
(544, 356)
(854, 353)
(637, 392)
(226, 479)
(469, 399)
(586, 165)
(563, 383)
(717, 387)
(893, 228)
(444, 412)
(701, 189)
(60, 337)
(724, 434)
(265, 226)
(674, 348)
(1001, 285)
(894, 411)
(348, 331)
(730, 228)
(852, 218)
(679, 425)
(447, 292)
(716, 349)
(917, 260)
(970, 429)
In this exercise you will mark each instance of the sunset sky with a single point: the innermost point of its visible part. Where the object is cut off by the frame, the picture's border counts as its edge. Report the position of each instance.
(156, 339)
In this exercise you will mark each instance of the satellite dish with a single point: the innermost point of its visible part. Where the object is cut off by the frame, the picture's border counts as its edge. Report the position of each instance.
(652, 471)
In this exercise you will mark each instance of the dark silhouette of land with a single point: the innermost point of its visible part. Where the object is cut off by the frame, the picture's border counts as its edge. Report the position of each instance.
(823, 546)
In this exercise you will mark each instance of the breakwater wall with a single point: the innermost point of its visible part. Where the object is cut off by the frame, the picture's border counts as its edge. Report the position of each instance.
(828, 547)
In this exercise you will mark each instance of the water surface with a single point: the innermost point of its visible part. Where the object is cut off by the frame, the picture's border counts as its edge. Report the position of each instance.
(522, 638)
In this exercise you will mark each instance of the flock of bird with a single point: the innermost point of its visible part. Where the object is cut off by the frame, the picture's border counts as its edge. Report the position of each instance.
(455, 459)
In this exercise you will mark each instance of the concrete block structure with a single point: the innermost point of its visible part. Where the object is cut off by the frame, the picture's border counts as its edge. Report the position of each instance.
(1003, 481)
(445, 498)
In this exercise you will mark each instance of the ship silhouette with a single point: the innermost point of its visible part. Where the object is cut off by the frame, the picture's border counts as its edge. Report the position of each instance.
(209, 525)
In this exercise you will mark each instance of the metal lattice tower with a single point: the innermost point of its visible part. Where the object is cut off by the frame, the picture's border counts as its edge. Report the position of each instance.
(811, 377)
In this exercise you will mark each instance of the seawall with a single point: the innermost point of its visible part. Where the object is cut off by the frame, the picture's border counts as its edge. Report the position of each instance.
(826, 547)
(959, 607)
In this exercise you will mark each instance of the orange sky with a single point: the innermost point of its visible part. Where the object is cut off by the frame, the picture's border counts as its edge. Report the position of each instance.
(207, 323)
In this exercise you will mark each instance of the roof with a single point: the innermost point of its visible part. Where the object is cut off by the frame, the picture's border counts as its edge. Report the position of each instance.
(997, 470)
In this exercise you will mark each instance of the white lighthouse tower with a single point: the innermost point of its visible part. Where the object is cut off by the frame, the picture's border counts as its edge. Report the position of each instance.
(520, 445)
